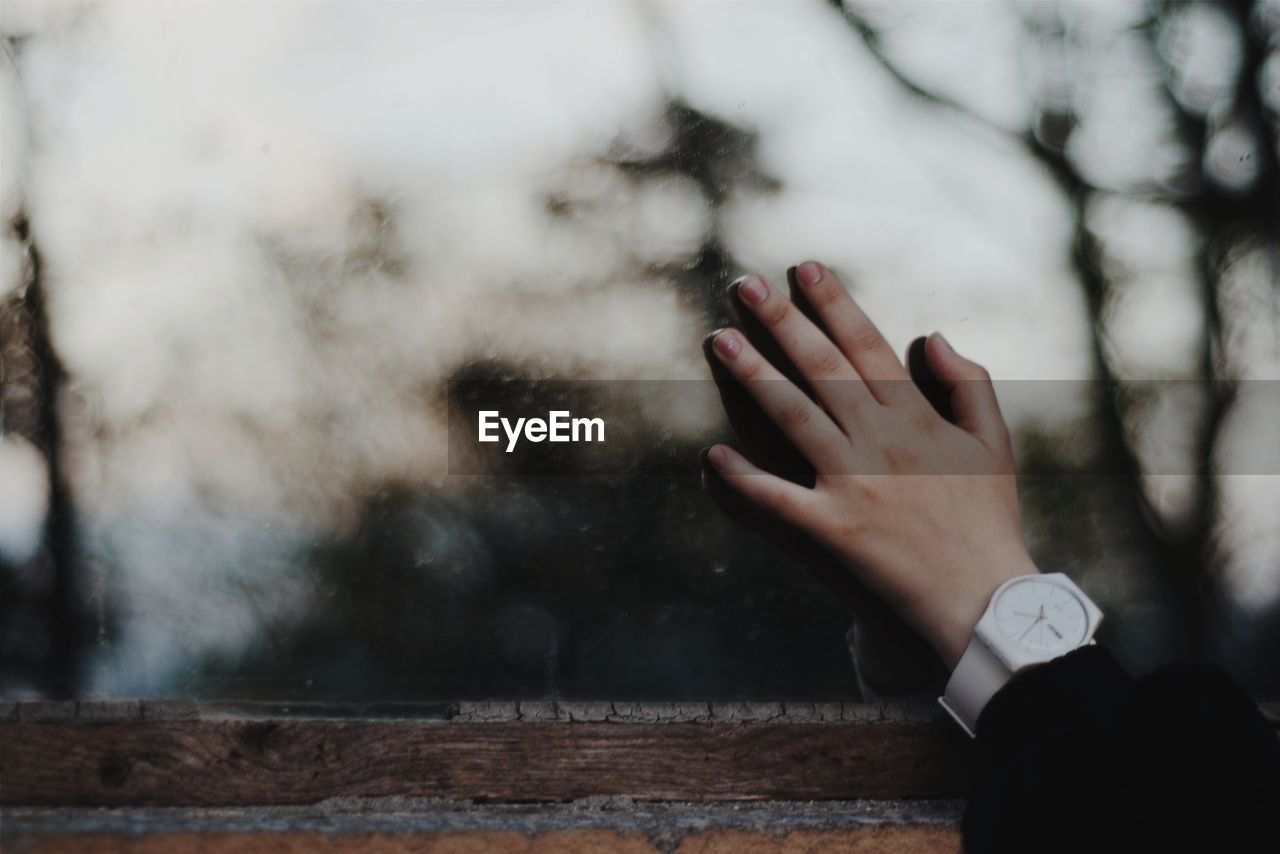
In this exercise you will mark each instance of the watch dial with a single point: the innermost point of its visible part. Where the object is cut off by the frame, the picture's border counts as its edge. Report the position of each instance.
(1042, 616)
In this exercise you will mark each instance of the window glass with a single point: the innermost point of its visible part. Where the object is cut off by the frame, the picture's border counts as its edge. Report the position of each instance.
(253, 249)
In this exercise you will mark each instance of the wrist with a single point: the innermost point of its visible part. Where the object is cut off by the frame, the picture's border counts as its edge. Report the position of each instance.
(959, 612)
(1031, 619)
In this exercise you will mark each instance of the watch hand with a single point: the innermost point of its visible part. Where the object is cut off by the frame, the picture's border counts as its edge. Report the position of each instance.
(1029, 628)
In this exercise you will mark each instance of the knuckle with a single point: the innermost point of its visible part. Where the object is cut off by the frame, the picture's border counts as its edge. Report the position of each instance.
(796, 413)
(782, 501)
(827, 294)
(901, 459)
(751, 369)
(864, 338)
(851, 528)
(977, 373)
(924, 420)
(775, 312)
(825, 363)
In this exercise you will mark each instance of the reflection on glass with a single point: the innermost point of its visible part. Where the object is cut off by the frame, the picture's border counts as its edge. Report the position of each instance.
(252, 244)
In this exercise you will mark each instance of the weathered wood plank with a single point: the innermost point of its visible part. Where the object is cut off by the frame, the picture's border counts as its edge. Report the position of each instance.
(565, 711)
(111, 753)
(229, 762)
(361, 816)
(882, 840)
(47, 710)
(399, 825)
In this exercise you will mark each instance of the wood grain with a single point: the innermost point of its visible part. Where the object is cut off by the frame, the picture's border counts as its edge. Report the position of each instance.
(91, 761)
(863, 840)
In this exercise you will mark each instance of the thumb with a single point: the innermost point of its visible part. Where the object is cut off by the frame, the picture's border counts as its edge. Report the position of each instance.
(972, 396)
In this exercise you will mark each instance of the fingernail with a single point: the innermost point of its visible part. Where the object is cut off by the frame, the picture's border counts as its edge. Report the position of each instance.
(752, 289)
(809, 273)
(945, 343)
(726, 344)
(718, 458)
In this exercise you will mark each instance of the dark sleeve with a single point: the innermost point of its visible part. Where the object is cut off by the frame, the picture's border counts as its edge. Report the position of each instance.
(1076, 755)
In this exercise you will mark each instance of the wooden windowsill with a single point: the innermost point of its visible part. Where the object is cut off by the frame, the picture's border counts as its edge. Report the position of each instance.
(184, 753)
(439, 826)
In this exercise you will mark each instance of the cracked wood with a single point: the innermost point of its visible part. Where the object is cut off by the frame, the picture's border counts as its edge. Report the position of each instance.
(89, 760)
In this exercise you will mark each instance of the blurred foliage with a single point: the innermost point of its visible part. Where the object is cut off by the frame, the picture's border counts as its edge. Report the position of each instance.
(630, 587)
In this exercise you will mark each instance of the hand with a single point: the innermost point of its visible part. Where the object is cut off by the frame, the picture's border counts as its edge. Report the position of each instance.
(923, 511)
(890, 657)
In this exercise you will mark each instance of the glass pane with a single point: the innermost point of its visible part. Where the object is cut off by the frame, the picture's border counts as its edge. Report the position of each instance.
(253, 247)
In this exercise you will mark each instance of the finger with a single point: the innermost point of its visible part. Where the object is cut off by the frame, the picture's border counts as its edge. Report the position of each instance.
(855, 334)
(752, 517)
(757, 435)
(801, 420)
(819, 361)
(971, 394)
(937, 394)
(801, 301)
(780, 498)
(761, 338)
(791, 539)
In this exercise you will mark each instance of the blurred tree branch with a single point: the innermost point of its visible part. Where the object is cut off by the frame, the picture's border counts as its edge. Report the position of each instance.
(1220, 218)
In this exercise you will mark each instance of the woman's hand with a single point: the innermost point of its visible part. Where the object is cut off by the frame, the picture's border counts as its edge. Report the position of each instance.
(923, 511)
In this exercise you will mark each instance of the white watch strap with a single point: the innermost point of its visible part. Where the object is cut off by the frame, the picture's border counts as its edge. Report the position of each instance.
(976, 679)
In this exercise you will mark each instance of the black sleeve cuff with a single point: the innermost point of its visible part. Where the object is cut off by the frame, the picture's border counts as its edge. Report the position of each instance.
(1085, 688)
(1076, 755)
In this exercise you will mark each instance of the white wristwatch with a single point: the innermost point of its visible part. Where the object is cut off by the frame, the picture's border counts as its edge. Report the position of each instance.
(1031, 619)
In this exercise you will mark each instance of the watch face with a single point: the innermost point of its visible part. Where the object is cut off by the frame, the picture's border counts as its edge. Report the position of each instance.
(1039, 615)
